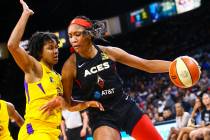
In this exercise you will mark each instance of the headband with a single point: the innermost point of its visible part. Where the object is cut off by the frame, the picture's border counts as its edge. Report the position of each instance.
(82, 22)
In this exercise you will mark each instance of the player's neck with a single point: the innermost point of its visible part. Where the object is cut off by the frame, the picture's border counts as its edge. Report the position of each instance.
(49, 66)
(90, 52)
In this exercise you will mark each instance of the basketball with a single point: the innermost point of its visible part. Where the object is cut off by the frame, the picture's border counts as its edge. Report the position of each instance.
(184, 72)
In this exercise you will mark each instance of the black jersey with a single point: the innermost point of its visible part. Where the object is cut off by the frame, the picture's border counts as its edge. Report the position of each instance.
(97, 79)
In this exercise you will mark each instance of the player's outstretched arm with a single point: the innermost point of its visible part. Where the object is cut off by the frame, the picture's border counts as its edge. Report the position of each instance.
(151, 66)
(21, 57)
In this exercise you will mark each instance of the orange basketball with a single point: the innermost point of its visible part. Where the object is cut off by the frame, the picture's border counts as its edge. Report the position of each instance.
(184, 72)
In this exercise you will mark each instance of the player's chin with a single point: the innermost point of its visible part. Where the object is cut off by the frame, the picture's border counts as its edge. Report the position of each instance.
(55, 61)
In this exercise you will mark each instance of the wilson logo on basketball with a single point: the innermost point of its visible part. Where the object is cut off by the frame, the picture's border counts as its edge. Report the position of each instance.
(184, 74)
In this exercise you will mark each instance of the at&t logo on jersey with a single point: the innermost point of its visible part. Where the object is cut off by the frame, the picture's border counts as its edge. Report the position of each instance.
(97, 68)
(98, 95)
(107, 92)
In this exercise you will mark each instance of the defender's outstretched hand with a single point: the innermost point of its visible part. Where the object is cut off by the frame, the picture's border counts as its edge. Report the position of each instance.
(94, 104)
(26, 8)
(56, 103)
(59, 103)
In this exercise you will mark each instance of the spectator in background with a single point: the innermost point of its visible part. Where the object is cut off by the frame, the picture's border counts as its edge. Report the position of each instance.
(206, 63)
(167, 114)
(168, 97)
(204, 81)
(197, 109)
(193, 122)
(161, 105)
(158, 117)
(76, 125)
(7, 111)
(189, 98)
(203, 132)
(182, 118)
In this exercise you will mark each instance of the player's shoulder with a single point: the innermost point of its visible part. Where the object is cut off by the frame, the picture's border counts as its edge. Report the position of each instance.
(70, 64)
(104, 47)
(107, 48)
(3, 101)
(71, 60)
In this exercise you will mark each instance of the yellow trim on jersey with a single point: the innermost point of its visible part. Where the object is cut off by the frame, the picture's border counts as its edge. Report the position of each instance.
(104, 56)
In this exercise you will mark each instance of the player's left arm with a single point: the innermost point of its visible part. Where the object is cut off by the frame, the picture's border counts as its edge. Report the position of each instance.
(13, 114)
(151, 66)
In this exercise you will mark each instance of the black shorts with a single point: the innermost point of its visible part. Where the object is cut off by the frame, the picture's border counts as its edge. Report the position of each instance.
(123, 115)
(74, 134)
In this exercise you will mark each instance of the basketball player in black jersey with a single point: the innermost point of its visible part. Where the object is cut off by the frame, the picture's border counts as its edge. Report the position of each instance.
(93, 68)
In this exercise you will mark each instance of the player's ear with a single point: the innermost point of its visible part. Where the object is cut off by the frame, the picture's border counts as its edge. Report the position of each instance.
(89, 34)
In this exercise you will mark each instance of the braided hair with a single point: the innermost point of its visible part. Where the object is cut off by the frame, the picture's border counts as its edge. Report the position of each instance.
(97, 30)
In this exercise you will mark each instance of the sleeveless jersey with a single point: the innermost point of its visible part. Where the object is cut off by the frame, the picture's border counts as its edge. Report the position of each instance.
(4, 121)
(97, 79)
(39, 93)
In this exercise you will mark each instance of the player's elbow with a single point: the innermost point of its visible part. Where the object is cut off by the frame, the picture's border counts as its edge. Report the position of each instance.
(11, 46)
